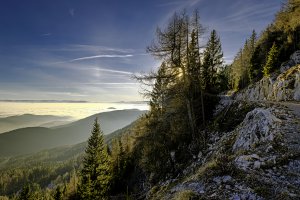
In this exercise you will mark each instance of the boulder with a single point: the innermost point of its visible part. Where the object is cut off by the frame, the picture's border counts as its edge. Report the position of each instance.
(255, 128)
(287, 85)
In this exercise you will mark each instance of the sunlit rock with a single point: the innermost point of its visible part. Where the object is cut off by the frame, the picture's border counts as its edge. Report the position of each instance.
(255, 128)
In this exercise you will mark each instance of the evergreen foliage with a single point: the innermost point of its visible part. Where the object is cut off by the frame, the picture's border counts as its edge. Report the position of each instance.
(182, 97)
(181, 102)
(30, 191)
(244, 69)
(213, 62)
(272, 60)
(248, 65)
(96, 172)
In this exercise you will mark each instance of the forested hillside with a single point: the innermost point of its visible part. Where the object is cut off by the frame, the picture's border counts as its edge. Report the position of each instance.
(33, 139)
(263, 54)
(194, 143)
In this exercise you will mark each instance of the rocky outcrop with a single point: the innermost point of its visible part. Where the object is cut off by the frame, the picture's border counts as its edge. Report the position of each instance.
(256, 128)
(259, 159)
(285, 87)
(294, 60)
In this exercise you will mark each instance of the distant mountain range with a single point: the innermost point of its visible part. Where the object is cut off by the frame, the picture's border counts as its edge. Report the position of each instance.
(29, 120)
(34, 139)
(43, 101)
(57, 154)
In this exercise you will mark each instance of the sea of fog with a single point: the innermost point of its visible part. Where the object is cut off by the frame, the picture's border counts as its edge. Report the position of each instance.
(74, 110)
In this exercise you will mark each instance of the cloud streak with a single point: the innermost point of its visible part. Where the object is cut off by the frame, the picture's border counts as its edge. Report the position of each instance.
(109, 70)
(101, 56)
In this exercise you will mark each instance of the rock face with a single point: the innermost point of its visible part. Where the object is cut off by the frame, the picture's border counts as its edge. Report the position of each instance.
(256, 128)
(259, 159)
(294, 60)
(285, 87)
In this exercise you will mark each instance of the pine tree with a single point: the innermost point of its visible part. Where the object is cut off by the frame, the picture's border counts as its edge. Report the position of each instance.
(119, 166)
(213, 60)
(252, 61)
(96, 172)
(30, 191)
(271, 60)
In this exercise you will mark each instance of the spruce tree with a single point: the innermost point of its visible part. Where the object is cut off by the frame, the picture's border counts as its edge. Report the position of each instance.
(252, 61)
(96, 172)
(271, 60)
(213, 59)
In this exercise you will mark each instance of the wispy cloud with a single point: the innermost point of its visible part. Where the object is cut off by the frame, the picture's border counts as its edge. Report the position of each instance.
(180, 4)
(246, 13)
(101, 56)
(107, 70)
(71, 94)
(111, 83)
(92, 49)
(172, 3)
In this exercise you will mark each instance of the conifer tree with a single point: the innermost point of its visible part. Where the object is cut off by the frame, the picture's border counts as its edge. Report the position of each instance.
(30, 191)
(252, 43)
(96, 172)
(213, 59)
(271, 60)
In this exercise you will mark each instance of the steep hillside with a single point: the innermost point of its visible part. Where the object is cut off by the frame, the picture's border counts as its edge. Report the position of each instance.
(259, 159)
(28, 120)
(254, 145)
(278, 87)
(34, 139)
(45, 167)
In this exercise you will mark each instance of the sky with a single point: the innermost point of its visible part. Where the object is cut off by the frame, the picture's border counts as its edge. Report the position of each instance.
(89, 49)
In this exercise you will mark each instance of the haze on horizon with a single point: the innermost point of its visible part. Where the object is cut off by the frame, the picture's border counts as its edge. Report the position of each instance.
(79, 50)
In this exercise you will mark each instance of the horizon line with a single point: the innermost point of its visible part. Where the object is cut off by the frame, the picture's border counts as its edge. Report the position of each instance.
(65, 101)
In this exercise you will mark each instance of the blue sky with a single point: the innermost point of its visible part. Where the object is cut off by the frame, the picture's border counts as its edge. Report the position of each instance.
(89, 49)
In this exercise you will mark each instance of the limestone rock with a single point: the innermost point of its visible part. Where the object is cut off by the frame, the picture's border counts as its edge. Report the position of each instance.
(255, 129)
(285, 87)
(245, 162)
(294, 60)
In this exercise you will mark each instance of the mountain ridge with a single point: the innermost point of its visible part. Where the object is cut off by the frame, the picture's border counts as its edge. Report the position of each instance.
(33, 139)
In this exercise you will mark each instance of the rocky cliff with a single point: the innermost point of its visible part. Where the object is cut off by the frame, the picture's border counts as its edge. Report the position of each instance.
(255, 155)
(259, 159)
(279, 87)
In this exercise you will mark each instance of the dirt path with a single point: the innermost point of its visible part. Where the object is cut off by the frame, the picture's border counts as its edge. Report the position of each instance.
(295, 107)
